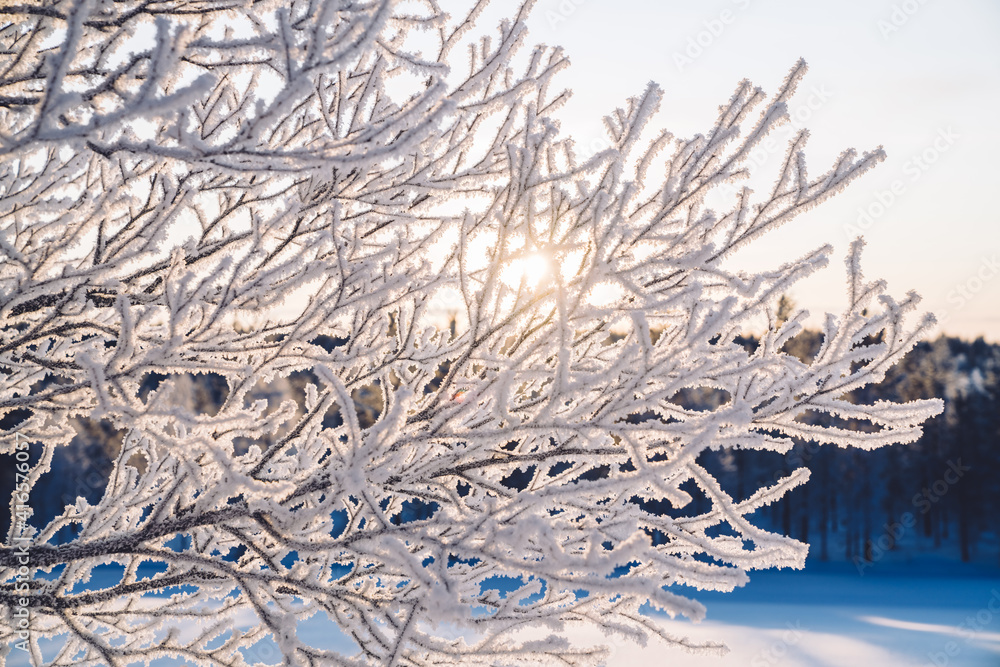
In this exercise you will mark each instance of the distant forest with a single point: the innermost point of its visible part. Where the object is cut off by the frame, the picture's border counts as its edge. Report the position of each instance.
(940, 495)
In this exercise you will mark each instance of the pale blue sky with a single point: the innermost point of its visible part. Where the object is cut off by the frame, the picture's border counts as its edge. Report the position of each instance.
(935, 78)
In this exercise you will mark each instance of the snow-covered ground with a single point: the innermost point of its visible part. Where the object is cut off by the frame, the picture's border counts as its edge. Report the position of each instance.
(931, 614)
(934, 614)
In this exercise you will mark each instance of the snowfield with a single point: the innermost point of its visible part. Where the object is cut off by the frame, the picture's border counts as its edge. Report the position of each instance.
(930, 614)
(934, 614)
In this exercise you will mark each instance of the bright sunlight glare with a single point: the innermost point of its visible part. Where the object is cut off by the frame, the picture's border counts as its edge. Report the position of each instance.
(529, 269)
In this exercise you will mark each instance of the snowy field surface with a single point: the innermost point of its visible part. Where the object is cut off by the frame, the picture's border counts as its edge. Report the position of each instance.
(932, 614)
(828, 615)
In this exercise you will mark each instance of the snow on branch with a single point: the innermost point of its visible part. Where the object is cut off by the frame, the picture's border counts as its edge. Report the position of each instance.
(280, 195)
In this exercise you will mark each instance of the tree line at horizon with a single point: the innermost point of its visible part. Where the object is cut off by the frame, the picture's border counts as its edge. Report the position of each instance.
(940, 494)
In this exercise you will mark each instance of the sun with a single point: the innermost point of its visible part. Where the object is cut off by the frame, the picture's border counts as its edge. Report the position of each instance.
(529, 269)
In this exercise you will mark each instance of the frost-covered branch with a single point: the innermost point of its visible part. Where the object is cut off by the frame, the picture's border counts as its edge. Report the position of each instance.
(282, 195)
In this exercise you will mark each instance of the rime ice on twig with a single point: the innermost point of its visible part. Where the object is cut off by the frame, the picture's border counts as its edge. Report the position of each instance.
(271, 190)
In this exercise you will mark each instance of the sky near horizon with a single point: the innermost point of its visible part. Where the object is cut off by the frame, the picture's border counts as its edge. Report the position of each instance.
(921, 79)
